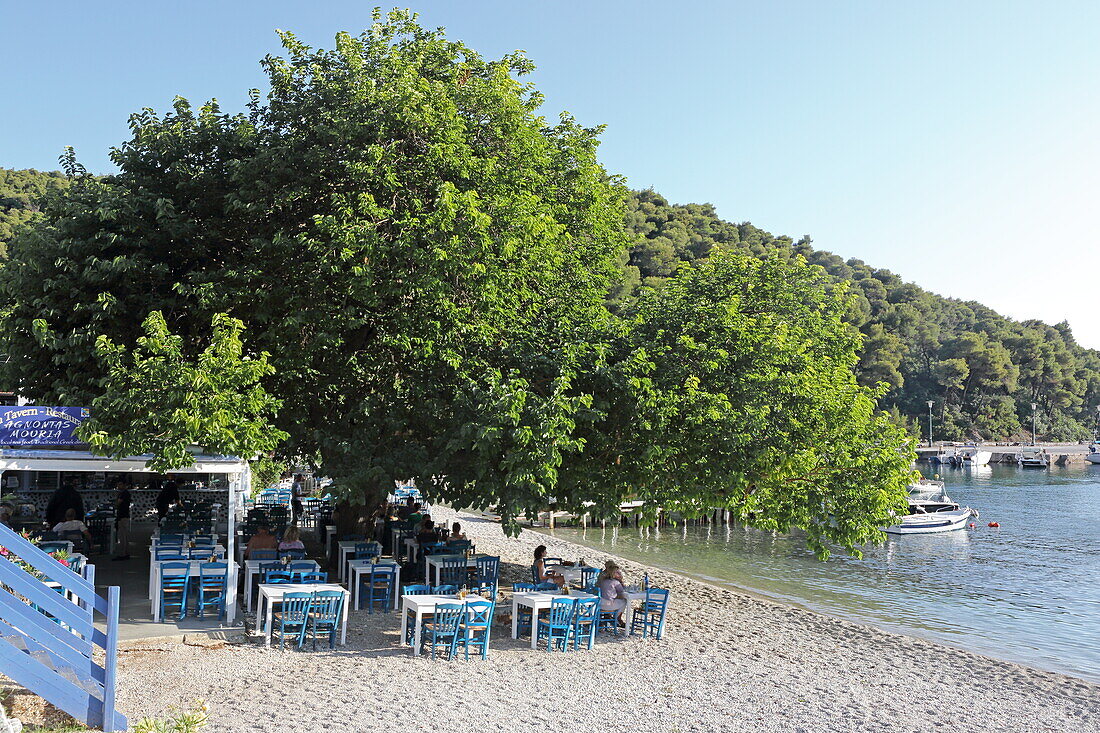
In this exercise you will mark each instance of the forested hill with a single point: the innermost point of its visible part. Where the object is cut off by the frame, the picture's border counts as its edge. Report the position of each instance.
(20, 193)
(982, 370)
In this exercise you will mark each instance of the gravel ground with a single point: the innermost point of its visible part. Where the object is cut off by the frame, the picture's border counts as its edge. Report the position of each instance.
(728, 661)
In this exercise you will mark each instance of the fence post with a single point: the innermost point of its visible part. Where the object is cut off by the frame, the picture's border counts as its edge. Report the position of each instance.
(111, 663)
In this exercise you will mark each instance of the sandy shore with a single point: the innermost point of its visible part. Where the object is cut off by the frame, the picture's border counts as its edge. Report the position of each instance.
(729, 661)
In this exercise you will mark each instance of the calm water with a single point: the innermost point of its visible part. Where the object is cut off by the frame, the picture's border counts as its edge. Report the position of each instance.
(1027, 592)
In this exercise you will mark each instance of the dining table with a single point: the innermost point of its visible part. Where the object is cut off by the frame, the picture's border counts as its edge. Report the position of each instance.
(252, 572)
(272, 593)
(345, 548)
(420, 606)
(154, 595)
(358, 568)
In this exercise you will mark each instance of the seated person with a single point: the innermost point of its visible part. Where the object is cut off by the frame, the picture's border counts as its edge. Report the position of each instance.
(427, 535)
(72, 524)
(612, 592)
(456, 532)
(292, 540)
(540, 569)
(415, 517)
(262, 540)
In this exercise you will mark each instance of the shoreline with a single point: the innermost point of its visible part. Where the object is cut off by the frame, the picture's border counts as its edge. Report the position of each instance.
(793, 602)
(729, 661)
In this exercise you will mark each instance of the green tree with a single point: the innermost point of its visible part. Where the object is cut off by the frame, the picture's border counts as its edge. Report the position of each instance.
(732, 386)
(156, 399)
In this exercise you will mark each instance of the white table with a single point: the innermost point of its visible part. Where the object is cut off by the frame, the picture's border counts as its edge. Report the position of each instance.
(359, 568)
(346, 548)
(271, 594)
(571, 573)
(436, 561)
(421, 605)
(219, 551)
(330, 530)
(252, 570)
(155, 594)
(537, 601)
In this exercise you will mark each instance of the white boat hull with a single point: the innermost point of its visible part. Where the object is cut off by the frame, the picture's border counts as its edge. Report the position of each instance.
(977, 458)
(1093, 457)
(932, 522)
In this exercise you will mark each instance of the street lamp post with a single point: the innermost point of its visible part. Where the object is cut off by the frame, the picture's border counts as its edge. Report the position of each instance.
(930, 422)
(1033, 408)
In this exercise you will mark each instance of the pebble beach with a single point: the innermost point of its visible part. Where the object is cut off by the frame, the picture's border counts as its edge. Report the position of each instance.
(729, 661)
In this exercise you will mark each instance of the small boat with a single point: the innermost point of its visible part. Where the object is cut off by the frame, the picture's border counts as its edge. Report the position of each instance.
(972, 455)
(931, 510)
(1093, 456)
(1033, 458)
(947, 457)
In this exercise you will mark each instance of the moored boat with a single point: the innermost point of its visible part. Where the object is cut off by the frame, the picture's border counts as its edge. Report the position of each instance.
(931, 510)
(1093, 456)
(972, 455)
(1033, 458)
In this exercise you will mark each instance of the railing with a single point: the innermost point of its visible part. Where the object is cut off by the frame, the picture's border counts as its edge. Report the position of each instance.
(48, 639)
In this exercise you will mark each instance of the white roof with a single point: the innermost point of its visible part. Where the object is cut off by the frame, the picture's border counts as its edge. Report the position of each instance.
(22, 459)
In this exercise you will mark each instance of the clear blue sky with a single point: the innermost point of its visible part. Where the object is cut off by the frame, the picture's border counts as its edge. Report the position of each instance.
(954, 143)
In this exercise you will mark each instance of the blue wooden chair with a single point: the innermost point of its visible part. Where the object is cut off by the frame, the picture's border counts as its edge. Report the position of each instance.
(352, 538)
(314, 577)
(367, 550)
(170, 539)
(201, 553)
(523, 622)
(293, 554)
(476, 626)
(460, 545)
(301, 567)
(263, 555)
(488, 571)
(443, 628)
(212, 580)
(173, 587)
(324, 616)
(445, 590)
(535, 574)
(546, 585)
(168, 553)
(277, 576)
(204, 540)
(292, 617)
(651, 614)
(586, 618)
(588, 577)
(414, 589)
(558, 625)
(454, 570)
(380, 582)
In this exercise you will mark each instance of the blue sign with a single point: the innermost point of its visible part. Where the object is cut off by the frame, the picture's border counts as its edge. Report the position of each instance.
(29, 425)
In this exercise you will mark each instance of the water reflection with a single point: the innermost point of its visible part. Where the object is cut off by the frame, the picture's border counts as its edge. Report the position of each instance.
(1027, 591)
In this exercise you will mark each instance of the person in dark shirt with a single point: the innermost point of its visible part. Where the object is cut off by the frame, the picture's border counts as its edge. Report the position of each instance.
(426, 536)
(122, 520)
(169, 494)
(65, 498)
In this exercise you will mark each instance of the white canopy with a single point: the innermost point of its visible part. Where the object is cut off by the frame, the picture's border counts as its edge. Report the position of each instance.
(22, 459)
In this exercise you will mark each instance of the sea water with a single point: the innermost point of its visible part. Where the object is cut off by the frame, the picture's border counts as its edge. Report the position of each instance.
(1028, 591)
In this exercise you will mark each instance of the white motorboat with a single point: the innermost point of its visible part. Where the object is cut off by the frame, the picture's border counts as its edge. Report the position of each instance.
(1093, 456)
(931, 510)
(947, 457)
(1033, 458)
(972, 455)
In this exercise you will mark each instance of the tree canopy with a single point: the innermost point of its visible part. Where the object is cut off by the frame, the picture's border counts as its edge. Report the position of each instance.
(417, 265)
(981, 370)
